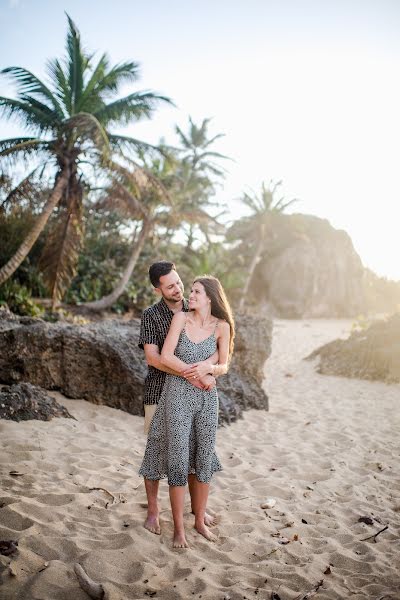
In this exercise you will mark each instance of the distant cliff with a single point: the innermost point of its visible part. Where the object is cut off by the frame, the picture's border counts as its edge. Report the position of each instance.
(310, 269)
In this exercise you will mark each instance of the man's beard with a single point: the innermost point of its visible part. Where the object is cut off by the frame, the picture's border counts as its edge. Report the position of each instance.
(174, 298)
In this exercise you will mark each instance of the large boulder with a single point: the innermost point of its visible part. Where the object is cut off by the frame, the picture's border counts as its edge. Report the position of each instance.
(373, 353)
(102, 363)
(24, 401)
(309, 269)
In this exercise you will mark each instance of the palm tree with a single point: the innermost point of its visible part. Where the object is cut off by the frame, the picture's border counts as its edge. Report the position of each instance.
(195, 148)
(70, 121)
(136, 193)
(157, 196)
(198, 173)
(263, 207)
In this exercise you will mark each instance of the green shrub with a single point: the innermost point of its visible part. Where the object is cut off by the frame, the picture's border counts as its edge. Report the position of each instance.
(18, 299)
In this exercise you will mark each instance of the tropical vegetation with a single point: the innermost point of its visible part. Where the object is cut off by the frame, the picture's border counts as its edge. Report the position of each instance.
(84, 208)
(71, 121)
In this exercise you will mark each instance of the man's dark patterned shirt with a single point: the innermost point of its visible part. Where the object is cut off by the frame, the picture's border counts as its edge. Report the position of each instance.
(154, 327)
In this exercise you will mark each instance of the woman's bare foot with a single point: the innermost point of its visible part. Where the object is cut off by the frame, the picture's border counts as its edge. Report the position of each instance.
(205, 532)
(180, 541)
(152, 524)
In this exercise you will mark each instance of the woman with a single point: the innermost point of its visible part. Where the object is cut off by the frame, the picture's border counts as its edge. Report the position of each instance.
(182, 434)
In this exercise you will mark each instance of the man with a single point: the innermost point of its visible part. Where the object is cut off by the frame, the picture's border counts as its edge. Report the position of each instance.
(155, 323)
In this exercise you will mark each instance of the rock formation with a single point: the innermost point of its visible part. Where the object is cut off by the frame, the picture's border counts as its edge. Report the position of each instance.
(24, 401)
(373, 353)
(309, 269)
(102, 363)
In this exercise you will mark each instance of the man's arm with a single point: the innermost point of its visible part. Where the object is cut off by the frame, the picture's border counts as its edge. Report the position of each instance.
(203, 368)
(153, 359)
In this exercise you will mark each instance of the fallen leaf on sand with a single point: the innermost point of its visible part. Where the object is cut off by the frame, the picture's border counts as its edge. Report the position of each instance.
(366, 520)
(8, 548)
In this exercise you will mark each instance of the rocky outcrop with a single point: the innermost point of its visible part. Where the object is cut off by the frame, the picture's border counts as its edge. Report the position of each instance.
(102, 363)
(309, 269)
(241, 387)
(24, 401)
(373, 353)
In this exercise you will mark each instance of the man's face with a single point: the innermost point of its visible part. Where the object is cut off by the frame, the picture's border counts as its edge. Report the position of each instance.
(171, 287)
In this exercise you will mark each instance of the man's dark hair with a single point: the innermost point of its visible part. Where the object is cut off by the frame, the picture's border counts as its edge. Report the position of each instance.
(159, 269)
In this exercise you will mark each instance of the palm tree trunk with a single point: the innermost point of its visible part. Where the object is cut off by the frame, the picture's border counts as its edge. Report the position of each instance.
(137, 248)
(12, 265)
(254, 263)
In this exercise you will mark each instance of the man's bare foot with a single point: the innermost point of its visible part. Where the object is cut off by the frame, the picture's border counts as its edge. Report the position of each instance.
(205, 532)
(152, 523)
(210, 520)
(180, 541)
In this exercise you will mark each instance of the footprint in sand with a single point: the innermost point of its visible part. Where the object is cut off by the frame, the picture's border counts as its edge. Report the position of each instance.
(13, 520)
(55, 499)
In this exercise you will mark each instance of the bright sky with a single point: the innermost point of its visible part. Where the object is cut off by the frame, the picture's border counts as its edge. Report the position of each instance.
(307, 91)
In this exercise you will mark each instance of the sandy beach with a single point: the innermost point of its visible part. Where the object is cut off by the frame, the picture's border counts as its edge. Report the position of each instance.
(327, 452)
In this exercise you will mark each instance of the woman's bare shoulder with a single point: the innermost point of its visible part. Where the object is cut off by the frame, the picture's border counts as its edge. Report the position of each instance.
(223, 326)
(179, 317)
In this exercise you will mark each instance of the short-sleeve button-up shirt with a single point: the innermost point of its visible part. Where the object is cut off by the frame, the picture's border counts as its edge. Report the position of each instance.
(154, 326)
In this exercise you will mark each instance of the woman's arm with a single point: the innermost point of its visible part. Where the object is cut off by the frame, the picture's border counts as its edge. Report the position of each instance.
(168, 357)
(202, 368)
(223, 349)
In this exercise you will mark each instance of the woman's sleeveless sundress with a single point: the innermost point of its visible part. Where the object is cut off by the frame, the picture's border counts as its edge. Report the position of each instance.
(182, 434)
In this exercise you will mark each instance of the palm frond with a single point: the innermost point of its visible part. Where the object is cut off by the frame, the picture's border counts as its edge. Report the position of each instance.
(60, 255)
(252, 202)
(264, 204)
(147, 180)
(16, 149)
(62, 89)
(130, 108)
(22, 144)
(126, 202)
(90, 98)
(30, 115)
(281, 205)
(29, 85)
(25, 190)
(214, 139)
(124, 143)
(115, 77)
(77, 64)
(183, 138)
(209, 154)
(87, 126)
(140, 191)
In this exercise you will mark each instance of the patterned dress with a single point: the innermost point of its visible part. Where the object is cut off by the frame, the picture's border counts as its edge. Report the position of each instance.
(182, 434)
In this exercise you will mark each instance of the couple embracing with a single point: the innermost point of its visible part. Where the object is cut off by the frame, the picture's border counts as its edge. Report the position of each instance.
(187, 345)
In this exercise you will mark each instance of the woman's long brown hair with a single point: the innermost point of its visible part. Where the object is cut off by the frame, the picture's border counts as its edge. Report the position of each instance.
(220, 307)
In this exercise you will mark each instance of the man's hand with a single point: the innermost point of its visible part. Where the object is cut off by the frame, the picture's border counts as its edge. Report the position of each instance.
(198, 370)
(208, 382)
(197, 383)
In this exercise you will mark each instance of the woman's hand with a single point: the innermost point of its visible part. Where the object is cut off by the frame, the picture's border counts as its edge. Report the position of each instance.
(198, 370)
